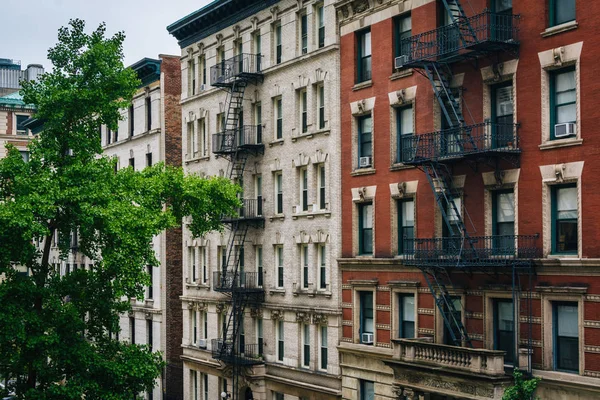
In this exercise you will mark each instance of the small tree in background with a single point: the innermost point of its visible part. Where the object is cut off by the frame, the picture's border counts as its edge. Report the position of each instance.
(57, 332)
(523, 389)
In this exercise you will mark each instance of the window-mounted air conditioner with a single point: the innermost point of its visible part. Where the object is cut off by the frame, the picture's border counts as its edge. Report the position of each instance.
(367, 338)
(400, 61)
(565, 130)
(202, 87)
(202, 343)
(364, 162)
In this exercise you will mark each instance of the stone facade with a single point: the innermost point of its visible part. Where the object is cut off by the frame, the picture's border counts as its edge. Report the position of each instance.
(13, 111)
(297, 303)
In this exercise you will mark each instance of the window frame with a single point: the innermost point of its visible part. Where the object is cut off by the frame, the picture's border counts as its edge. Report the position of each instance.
(366, 390)
(277, 41)
(495, 224)
(401, 334)
(278, 116)
(362, 142)
(303, 33)
(321, 105)
(362, 319)
(305, 346)
(280, 341)
(323, 349)
(400, 35)
(400, 135)
(552, 14)
(362, 208)
(495, 326)
(361, 41)
(279, 193)
(553, 101)
(555, 220)
(555, 337)
(322, 261)
(403, 248)
(280, 272)
(320, 25)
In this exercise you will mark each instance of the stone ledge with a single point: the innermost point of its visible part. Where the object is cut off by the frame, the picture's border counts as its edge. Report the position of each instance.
(555, 30)
(555, 144)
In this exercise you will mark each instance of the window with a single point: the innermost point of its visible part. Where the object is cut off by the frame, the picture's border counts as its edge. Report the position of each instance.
(564, 219)
(258, 122)
(202, 137)
(402, 30)
(222, 250)
(21, 130)
(280, 341)
(278, 118)
(259, 335)
(202, 61)
(304, 33)
(278, 396)
(322, 254)
(365, 229)
(191, 77)
(453, 233)
(116, 136)
(149, 333)
(404, 133)
(205, 385)
(303, 111)
(456, 315)
(148, 113)
(406, 316)
(258, 50)
(132, 162)
(365, 141)
(278, 47)
(24, 155)
(192, 142)
(561, 11)
(503, 222)
(321, 105)
(304, 188)
(566, 337)
(504, 329)
(366, 317)
(406, 226)
(304, 264)
(259, 195)
(323, 354)
(203, 253)
(193, 270)
(279, 193)
(195, 388)
(242, 338)
(279, 263)
(321, 187)
(563, 100)
(150, 293)
(320, 26)
(306, 346)
(502, 115)
(131, 121)
(364, 56)
(221, 122)
(204, 321)
(259, 266)
(194, 315)
(148, 159)
(366, 390)
(132, 329)
(221, 58)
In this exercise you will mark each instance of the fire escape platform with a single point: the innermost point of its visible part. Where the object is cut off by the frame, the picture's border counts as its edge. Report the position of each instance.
(227, 353)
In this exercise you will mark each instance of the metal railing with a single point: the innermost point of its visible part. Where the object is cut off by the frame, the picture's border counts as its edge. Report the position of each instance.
(480, 29)
(235, 67)
(250, 209)
(495, 250)
(226, 351)
(243, 137)
(459, 142)
(233, 280)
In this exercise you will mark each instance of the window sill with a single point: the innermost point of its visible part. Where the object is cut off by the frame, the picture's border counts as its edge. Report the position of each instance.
(276, 142)
(309, 135)
(362, 85)
(279, 291)
(555, 144)
(197, 286)
(197, 159)
(555, 30)
(311, 293)
(400, 166)
(401, 73)
(311, 214)
(363, 171)
(280, 217)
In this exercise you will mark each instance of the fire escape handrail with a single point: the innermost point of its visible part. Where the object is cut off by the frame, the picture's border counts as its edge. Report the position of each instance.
(227, 71)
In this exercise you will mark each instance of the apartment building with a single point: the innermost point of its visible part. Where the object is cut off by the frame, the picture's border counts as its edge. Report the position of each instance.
(260, 97)
(150, 132)
(470, 233)
(13, 114)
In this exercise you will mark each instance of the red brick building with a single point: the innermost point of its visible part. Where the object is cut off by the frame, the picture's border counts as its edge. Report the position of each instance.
(468, 194)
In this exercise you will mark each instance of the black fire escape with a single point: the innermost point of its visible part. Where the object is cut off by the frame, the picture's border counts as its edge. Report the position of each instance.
(236, 143)
(433, 53)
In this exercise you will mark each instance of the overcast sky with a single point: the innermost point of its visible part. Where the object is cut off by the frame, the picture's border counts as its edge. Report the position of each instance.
(29, 27)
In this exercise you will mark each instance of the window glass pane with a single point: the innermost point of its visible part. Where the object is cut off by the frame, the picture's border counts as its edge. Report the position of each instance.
(502, 5)
(504, 101)
(366, 44)
(567, 113)
(367, 219)
(408, 308)
(366, 125)
(406, 118)
(450, 210)
(505, 316)
(505, 211)
(565, 87)
(565, 11)
(408, 213)
(567, 321)
(405, 24)
(566, 206)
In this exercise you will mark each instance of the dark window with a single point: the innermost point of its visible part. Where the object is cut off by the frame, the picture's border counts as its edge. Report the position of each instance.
(132, 162)
(278, 106)
(304, 183)
(132, 329)
(564, 219)
(405, 134)
(150, 333)
(406, 316)
(320, 26)
(563, 100)
(561, 11)
(453, 317)
(365, 228)
(259, 266)
(504, 329)
(304, 33)
(367, 390)
(323, 266)
(148, 159)
(503, 222)
(402, 31)
(502, 116)
(108, 135)
(323, 347)
(259, 334)
(280, 340)
(406, 226)
(306, 346)
(364, 56)
(321, 93)
(365, 140)
(367, 326)
(279, 191)
(322, 198)
(21, 130)
(131, 121)
(566, 337)
(278, 47)
(304, 111)
(279, 255)
(149, 111)
(258, 120)
(304, 261)
(116, 135)
(242, 340)
(150, 270)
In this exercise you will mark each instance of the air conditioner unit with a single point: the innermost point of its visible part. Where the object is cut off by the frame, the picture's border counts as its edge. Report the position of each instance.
(364, 162)
(202, 343)
(400, 61)
(367, 338)
(564, 130)
(202, 87)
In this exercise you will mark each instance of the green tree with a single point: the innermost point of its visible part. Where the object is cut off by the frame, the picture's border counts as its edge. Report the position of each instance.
(55, 331)
(523, 389)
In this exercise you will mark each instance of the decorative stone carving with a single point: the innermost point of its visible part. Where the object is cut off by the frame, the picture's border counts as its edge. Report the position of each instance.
(359, 6)
(274, 13)
(303, 317)
(219, 37)
(256, 312)
(558, 54)
(277, 315)
(236, 31)
(320, 319)
(200, 47)
(221, 308)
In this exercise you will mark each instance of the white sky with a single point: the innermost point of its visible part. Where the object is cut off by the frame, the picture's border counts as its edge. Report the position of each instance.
(29, 27)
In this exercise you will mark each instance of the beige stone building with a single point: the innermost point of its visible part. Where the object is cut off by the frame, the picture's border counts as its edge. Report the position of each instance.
(288, 116)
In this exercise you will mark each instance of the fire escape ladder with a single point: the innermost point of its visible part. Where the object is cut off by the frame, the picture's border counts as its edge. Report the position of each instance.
(458, 17)
(449, 104)
(438, 280)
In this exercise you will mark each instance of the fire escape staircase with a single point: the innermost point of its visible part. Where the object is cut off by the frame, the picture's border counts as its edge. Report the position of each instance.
(236, 143)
